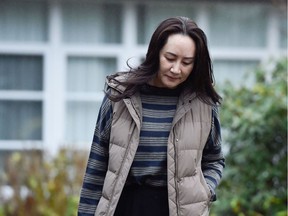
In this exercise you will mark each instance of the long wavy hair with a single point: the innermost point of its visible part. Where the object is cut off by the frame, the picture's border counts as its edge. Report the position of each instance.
(200, 81)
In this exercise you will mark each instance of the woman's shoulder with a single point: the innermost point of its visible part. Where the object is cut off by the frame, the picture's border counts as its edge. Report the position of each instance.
(114, 81)
(117, 77)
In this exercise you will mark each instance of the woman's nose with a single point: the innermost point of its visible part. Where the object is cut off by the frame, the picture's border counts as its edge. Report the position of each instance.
(175, 68)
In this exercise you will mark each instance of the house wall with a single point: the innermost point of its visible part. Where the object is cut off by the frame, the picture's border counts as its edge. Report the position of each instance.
(54, 56)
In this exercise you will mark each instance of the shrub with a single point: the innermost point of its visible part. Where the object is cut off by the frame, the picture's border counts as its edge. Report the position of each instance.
(254, 120)
(46, 187)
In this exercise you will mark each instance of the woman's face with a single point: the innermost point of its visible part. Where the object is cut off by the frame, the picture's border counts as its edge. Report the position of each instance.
(176, 60)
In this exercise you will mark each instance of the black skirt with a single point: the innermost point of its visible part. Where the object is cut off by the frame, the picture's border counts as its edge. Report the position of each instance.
(143, 201)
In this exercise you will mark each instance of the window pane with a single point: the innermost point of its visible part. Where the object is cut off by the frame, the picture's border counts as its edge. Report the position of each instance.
(23, 21)
(238, 25)
(233, 71)
(88, 73)
(81, 120)
(283, 31)
(89, 22)
(149, 17)
(20, 120)
(21, 72)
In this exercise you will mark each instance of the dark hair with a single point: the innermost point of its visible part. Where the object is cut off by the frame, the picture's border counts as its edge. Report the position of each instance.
(199, 81)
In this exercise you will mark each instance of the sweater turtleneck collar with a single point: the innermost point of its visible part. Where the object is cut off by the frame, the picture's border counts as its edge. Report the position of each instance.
(153, 90)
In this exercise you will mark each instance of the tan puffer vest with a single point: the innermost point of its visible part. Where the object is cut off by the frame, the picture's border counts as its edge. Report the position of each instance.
(188, 192)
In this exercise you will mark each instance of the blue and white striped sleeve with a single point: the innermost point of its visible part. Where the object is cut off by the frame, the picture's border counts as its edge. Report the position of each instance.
(213, 161)
(97, 163)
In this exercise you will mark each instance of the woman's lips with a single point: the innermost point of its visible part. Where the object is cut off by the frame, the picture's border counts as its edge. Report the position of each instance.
(172, 78)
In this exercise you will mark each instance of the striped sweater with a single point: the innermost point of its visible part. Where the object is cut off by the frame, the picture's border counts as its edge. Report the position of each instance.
(150, 163)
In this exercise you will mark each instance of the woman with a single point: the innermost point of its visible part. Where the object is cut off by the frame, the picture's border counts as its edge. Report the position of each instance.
(156, 148)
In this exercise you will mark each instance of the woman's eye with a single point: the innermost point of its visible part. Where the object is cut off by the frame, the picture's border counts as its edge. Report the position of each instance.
(187, 63)
(169, 59)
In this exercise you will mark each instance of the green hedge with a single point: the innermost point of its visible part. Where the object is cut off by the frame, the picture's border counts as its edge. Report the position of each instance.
(254, 120)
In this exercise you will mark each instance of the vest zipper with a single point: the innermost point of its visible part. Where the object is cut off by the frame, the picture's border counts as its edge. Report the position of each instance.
(176, 179)
(121, 167)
